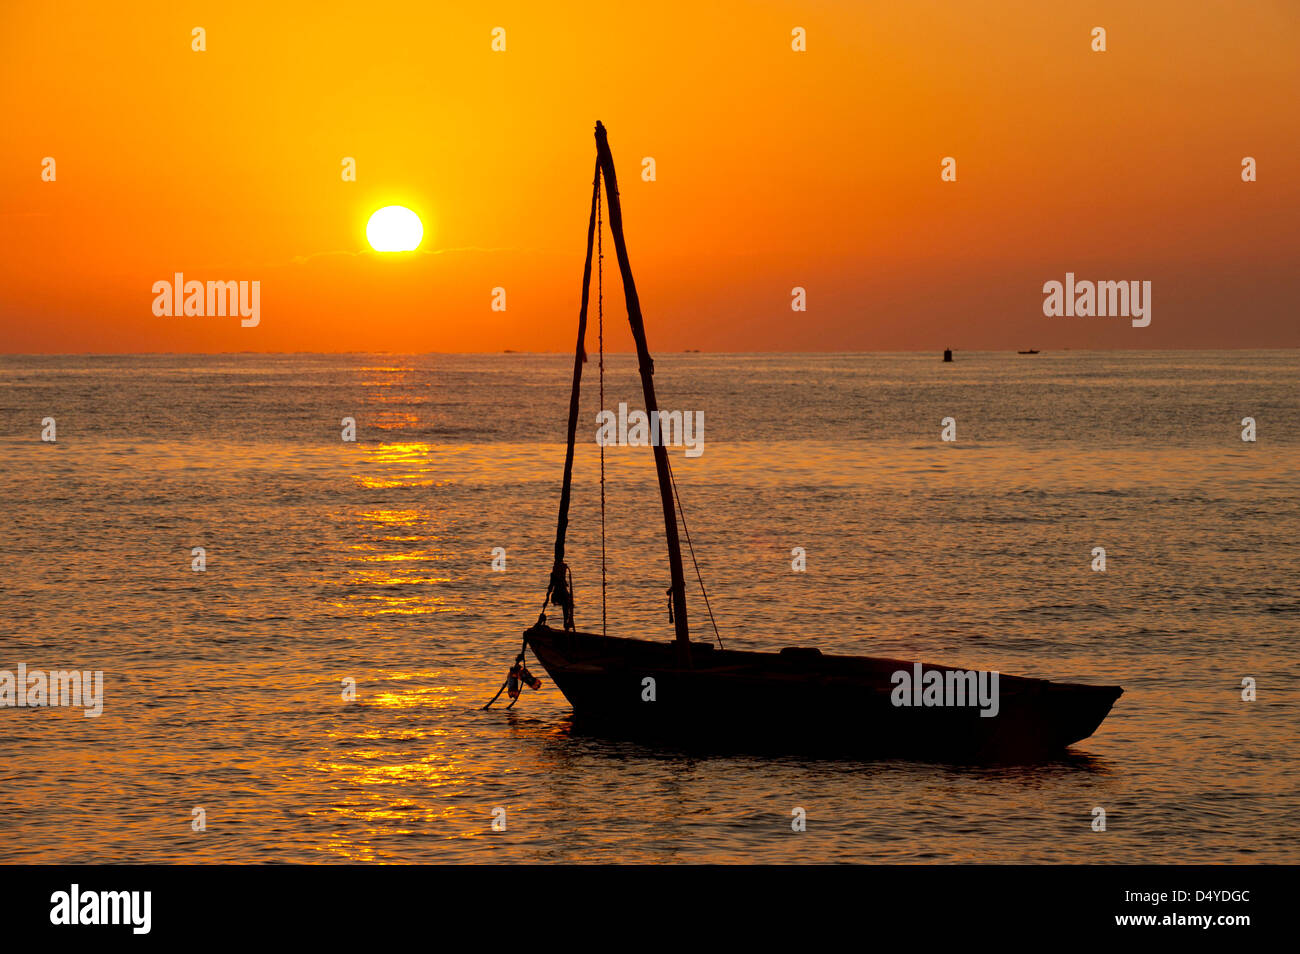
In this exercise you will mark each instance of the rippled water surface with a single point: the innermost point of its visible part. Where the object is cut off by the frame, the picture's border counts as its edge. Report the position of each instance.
(371, 560)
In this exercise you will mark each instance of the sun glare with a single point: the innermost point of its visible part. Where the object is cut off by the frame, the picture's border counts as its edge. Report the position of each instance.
(394, 228)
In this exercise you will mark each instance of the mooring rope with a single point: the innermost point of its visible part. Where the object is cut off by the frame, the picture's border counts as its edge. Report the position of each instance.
(522, 650)
(691, 547)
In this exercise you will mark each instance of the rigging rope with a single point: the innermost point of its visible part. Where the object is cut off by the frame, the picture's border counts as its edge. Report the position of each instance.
(691, 547)
(600, 334)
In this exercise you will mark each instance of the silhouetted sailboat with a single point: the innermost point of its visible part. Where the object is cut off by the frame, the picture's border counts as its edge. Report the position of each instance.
(798, 698)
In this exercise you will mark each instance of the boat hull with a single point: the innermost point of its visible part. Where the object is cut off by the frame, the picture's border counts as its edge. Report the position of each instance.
(806, 701)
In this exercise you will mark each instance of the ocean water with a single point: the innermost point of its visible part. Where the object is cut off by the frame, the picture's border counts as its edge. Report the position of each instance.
(372, 561)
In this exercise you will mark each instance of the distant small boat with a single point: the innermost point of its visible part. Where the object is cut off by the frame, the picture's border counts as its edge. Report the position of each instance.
(797, 699)
(947, 354)
(1030, 351)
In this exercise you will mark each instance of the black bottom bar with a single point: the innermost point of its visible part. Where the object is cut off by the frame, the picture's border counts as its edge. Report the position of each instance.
(674, 904)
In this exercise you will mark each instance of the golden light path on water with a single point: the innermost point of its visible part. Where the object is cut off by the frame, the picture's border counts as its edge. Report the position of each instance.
(367, 774)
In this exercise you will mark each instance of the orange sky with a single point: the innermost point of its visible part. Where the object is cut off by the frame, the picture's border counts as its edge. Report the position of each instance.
(775, 169)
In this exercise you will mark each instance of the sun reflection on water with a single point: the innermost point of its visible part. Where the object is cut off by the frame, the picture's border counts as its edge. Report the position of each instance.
(395, 553)
(388, 786)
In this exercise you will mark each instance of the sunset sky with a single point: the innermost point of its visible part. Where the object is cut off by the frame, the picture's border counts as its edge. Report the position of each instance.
(775, 169)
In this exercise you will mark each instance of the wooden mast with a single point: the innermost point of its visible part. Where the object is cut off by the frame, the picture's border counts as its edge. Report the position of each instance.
(559, 584)
(647, 367)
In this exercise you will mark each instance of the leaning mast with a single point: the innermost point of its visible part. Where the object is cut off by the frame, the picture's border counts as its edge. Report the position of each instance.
(647, 367)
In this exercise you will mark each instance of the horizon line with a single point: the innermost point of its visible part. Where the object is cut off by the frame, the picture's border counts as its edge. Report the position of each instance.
(510, 351)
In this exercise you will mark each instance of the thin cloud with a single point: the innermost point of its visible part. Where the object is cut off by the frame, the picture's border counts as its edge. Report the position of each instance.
(357, 253)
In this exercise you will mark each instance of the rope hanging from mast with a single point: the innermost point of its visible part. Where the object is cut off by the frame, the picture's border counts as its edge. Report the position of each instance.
(600, 335)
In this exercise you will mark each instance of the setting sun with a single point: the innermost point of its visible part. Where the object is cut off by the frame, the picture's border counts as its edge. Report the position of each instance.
(394, 228)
